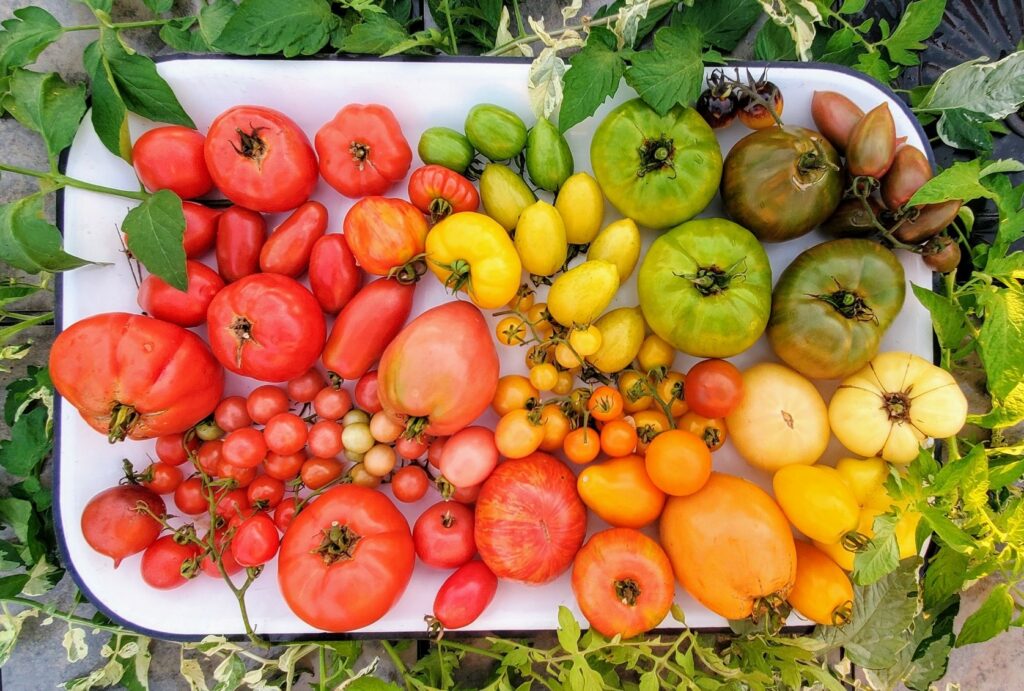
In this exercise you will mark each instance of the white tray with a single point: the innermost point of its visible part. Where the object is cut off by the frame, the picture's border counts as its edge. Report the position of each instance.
(422, 94)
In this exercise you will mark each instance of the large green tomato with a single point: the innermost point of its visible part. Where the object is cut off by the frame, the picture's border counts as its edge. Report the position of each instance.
(833, 304)
(657, 170)
(706, 288)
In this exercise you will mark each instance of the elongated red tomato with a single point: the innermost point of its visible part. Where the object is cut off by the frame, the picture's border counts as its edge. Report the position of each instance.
(439, 192)
(365, 327)
(333, 275)
(362, 150)
(385, 234)
(134, 376)
(166, 302)
(345, 559)
(240, 236)
(289, 247)
(200, 228)
(266, 326)
(465, 595)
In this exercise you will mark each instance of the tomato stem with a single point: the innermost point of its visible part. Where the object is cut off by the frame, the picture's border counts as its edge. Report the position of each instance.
(843, 614)
(848, 303)
(897, 405)
(627, 591)
(122, 419)
(252, 146)
(656, 154)
(360, 153)
(338, 543)
(712, 280)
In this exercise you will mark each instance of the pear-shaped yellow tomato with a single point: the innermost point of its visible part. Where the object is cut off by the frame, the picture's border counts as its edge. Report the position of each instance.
(622, 332)
(893, 404)
(471, 252)
(540, 239)
(781, 419)
(863, 476)
(618, 243)
(578, 296)
(504, 194)
(821, 592)
(817, 501)
(581, 205)
(620, 492)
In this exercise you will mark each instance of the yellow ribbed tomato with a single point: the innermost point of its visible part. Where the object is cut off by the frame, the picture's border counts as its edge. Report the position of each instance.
(471, 252)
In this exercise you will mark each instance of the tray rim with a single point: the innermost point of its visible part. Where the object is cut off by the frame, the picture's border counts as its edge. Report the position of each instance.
(276, 638)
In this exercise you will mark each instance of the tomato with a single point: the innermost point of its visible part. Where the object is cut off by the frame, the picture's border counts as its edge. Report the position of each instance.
(705, 288)
(284, 514)
(496, 132)
(264, 402)
(208, 456)
(161, 478)
(241, 234)
(582, 445)
(349, 540)
(357, 439)
(305, 387)
(289, 247)
(543, 377)
(331, 403)
(190, 497)
(655, 352)
(425, 371)
(285, 433)
(603, 486)
(941, 254)
(361, 477)
(781, 419)
(622, 580)
(175, 449)
(756, 116)
(920, 223)
(163, 301)
(256, 541)
(781, 182)
(910, 170)
(821, 591)
(518, 433)
(872, 144)
(241, 475)
(366, 325)
(832, 306)
(817, 501)
(367, 392)
(436, 451)
(580, 203)
(443, 535)
(411, 448)
(713, 388)
(244, 447)
(325, 438)
(465, 595)
(504, 195)
(579, 296)
(209, 566)
(548, 157)
(260, 159)
(893, 404)
(168, 564)
(678, 462)
(649, 424)
(439, 192)
(718, 104)
(540, 239)
(730, 546)
(445, 147)
(231, 414)
(514, 391)
(283, 468)
(835, 116)
(362, 150)
(618, 243)
(469, 251)
(633, 389)
(469, 456)
(171, 158)
(712, 431)
(265, 492)
(334, 277)
(386, 234)
(134, 376)
(266, 326)
(605, 403)
(621, 335)
(112, 525)
(200, 228)
(618, 438)
(556, 427)
(564, 383)
(207, 430)
(409, 484)
(852, 220)
(380, 460)
(672, 390)
(530, 521)
(385, 428)
(319, 472)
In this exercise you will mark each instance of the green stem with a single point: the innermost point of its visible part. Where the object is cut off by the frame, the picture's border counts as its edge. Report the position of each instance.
(451, 32)
(521, 29)
(872, 48)
(397, 662)
(322, 660)
(474, 650)
(52, 611)
(119, 26)
(58, 180)
(10, 332)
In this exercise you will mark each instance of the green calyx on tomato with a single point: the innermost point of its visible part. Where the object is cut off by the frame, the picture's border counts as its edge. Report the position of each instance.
(338, 543)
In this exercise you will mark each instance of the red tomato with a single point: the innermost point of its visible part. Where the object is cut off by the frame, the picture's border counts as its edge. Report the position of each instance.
(466, 495)
(284, 513)
(469, 456)
(530, 521)
(173, 449)
(244, 448)
(349, 540)
(241, 234)
(319, 472)
(333, 275)
(265, 492)
(442, 368)
(134, 376)
(465, 595)
(255, 541)
(165, 302)
(385, 234)
(366, 393)
(623, 582)
(232, 505)
(264, 402)
(365, 327)
(362, 150)
(208, 456)
(285, 433)
(171, 158)
(713, 388)
(283, 468)
(112, 526)
(409, 484)
(190, 497)
(260, 159)
(439, 192)
(331, 403)
(161, 478)
(242, 475)
(200, 228)
(231, 414)
(324, 439)
(266, 326)
(435, 452)
(443, 535)
(209, 566)
(411, 448)
(167, 564)
(289, 247)
(305, 387)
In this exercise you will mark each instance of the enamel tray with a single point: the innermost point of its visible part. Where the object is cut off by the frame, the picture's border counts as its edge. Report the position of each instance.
(422, 93)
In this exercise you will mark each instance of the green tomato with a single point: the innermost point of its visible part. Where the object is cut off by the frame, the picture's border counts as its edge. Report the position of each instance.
(504, 194)
(706, 288)
(444, 146)
(548, 158)
(657, 170)
(832, 306)
(496, 132)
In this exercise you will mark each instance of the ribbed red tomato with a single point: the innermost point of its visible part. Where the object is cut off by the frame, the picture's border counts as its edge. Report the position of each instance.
(362, 150)
(439, 192)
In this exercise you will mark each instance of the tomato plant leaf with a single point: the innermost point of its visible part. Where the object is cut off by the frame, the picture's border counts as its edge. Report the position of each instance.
(799, 18)
(10, 586)
(852, 6)
(882, 555)
(774, 42)
(154, 231)
(594, 76)
(205, 28)
(159, 6)
(289, 27)
(568, 630)
(29, 242)
(28, 446)
(109, 115)
(962, 180)
(874, 65)
(647, 23)
(993, 88)
(19, 516)
(992, 618)
(948, 318)
(722, 23)
(965, 129)
(841, 48)
(140, 87)
(1001, 341)
(44, 103)
(951, 535)
(376, 35)
(919, 21)
(944, 576)
(672, 73)
(25, 36)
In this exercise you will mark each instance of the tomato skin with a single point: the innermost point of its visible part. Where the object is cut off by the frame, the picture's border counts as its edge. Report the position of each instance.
(362, 150)
(242, 475)
(410, 484)
(283, 468)
(244, 447)
(260, 159)
(469, 456)
(319, 588)
(821, 592)
(678, 462)
(605, 403)
(488, 266)
(435, 452)
(165, 563)
(173, 449)
(305, 387)
(712, 431)
(285, 433)
(713, 388)
(112, 526)
(162, 301)
(443, 535)
(160, 378)
(530, 521)
(171, 158)
(189, 496)
(618, 438)
(317, 472)
(872, 144)
(256, 541)
(264, 402)
(324, 439)
(465, 595)
(289, 247)
(265, 492)
(266, 326)
(518, 433)
(817, 501)
(365, 327)
(582, 445)
(384, 233)
(334, 277)
(835, 116)
(411, 448)
(622, 580)
(910, 170)
(438, 192)
(200, 228)
(241, 234)
(602, 487)
(162, 478)
(284, 513)
(209, 566)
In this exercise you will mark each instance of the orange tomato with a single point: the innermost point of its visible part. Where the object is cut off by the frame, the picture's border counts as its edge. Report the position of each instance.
(678, 462)
(671, 390)
(511, 331)
(523, 299)
(618, 438)
(649, 424)
(566, 356)
(710, 429)
(539, 354)
(544, 376)
(603, 486)
(539, 318)
(556, 427)
(822, 591)
(633, 387)
(514, 391)
(519, 433)
(605, 404)
(582, 445)
(564, 384)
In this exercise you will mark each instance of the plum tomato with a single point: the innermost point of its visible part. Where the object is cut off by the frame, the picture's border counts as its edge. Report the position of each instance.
(171, 158)
(465, 595)
(241, 234)
(200, 229)
(334, 276)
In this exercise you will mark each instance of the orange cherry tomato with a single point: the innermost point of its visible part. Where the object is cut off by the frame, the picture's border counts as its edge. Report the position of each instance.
(618, 438)
(519, 433)
(678, 462)
(556, 427)
(605, 404)
(317, 472)
(711, 429)
(633, 388)
(671, 390)
(514, 391)
(649, 424)
(582, 445)
(602, 487)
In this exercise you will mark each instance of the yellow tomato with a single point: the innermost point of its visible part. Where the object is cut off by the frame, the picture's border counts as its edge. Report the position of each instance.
(633, 388)
(566, 356)
(581, 205)
(817, 501)
(519, 433)
(540, 239)
(511, 331)
(655, 352)
(618, 243)
(578, 296)
(566, 379)
(514, 391)
(586, 340)
(821, 591)
(622, 332)
(471, 252)
(504, 194)
(544, 376)
(671, 391)
(603, 486)
(864, 477)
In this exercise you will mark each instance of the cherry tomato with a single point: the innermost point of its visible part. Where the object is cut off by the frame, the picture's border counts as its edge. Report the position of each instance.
(556, 427)
(240, 237)
(208, 456)
(171, 158)
(244, 448)
(284, 513)
(362, 150)
(543, 377)
(655, 352)
(379, 460)
(366, 393)
(649, 424)
(711, 430)
(410, 484)
(317, 472)
(166, 564)
(325, 439)
(112, 525)
(161, 478)
(305, 387)
(265, 492)
(469, 456)
(678, 462)
(385, 428)
(436, 451)
(605, 404)
(208, 430)
(618, 438)
(264, 402)
(756, 116)
(411, 448)
(289, 247)
(567, 358)
(671, 389)
(200, 229)
(334, 277)
(440, 192)
(283, 468)
(256, 540)
(518, 433)
(443, 535)
(232, 413)
(364, 478)
(331, 403)
(184, 308)
(190, 497)
(209, 565)
(242, 475)
(357, 438)
(232, 505)
(285, 433)
(174, 450)
(566, 380)
(514, 391)
(633, 388)
(466, 495)
(511, 331)
(465, 595)
(582, 445)
(713, 388)
(585, 341)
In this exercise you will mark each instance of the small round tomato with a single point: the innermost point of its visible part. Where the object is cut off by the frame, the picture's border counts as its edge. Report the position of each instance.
(436, 451)
(585, 341)
(634, 390)
(566, 380)
(713, 388)
(511, 331)
(618, 438)
(567, 357)
(655, 352)
(232, 505)
(325, 439)
(678, 462)
(241, 475)
(443, 535)
(283, 468)
(256, 540)
(556, 427)
(331, 403)
(379, 460)
(362, 477)
(469, 456)
(366, 393)
(605, 404)
(244, 448)
(207, 430)
(232, 413)
(518, 433)
(671, 389)
(411, 448)
(208, 456)
(284, 513)
(318, 472)
(544, 376)
(465, 595)
(241, 234)
(582, 445)
(168, 564)
(756, 116)
(200, 228)
(190, 497)
(265, 492)
(112, 525)
(264, 402)
(711, 430)
(305, 387)
(285, 433)
(440, 192)
(161, 478)
(385, 427)
(175, 449)
(649, 424)
(409, 484)
(171, 158)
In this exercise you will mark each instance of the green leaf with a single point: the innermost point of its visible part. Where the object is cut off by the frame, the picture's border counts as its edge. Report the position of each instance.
(10, 586)
(18, 515)
(109, 115)
(842, 48)
(649, 681)
(962, 180)
(28, 445)
(722, 23)
(965, 129)
(368, 683)
(159, 6)
(774, 42)
(568, 630)
(262, 27)
(948, 532)
(672, 73)
(29, 242)
(140, 88)
(25, 36)
(925, 658)
(1001, 341)
(948, 317)
(34, 387)
(154, 230)
(44, 103)
(960, 475)
(991, 619)
(919, 21)
(874, 65)
(944, 576)
(995, 89)
(204, 31)
(647, 23)
(852, 6)
(1004, 474)
(375, 36)
(882, 555)
(595, 75)
(799, 18)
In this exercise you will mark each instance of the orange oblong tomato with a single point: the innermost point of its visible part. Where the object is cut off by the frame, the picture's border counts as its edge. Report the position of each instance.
(385, 234)
(439, 192)
(621, 492)
(822, 591)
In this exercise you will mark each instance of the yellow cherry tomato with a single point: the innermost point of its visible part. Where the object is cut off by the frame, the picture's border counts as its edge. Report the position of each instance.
(544, 377)
(655, 352)
(566, 379)
(539, 319)
(566, 357)
(603, 486)
(514, 391)
(634, 389)
(671, 391)
(469, 251)
(581, 206)
(817, 501)
(539, 354)
(511, 331)
(586, 340)
(821, 591)
(519, 433)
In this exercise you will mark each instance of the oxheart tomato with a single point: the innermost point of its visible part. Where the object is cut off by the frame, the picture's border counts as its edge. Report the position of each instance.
(259, 158)
(112, 526)
(385, 234)
(441, 371)
(134, 376)
(334, 277)
(530, 521)
(465, 595)
(622, 580)
(365, 326)
(171, 158)
(439, 192)
(166, 302)
(362, 150)
(345, 559)
(266, 326)
(288, 249)
(443, 535)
